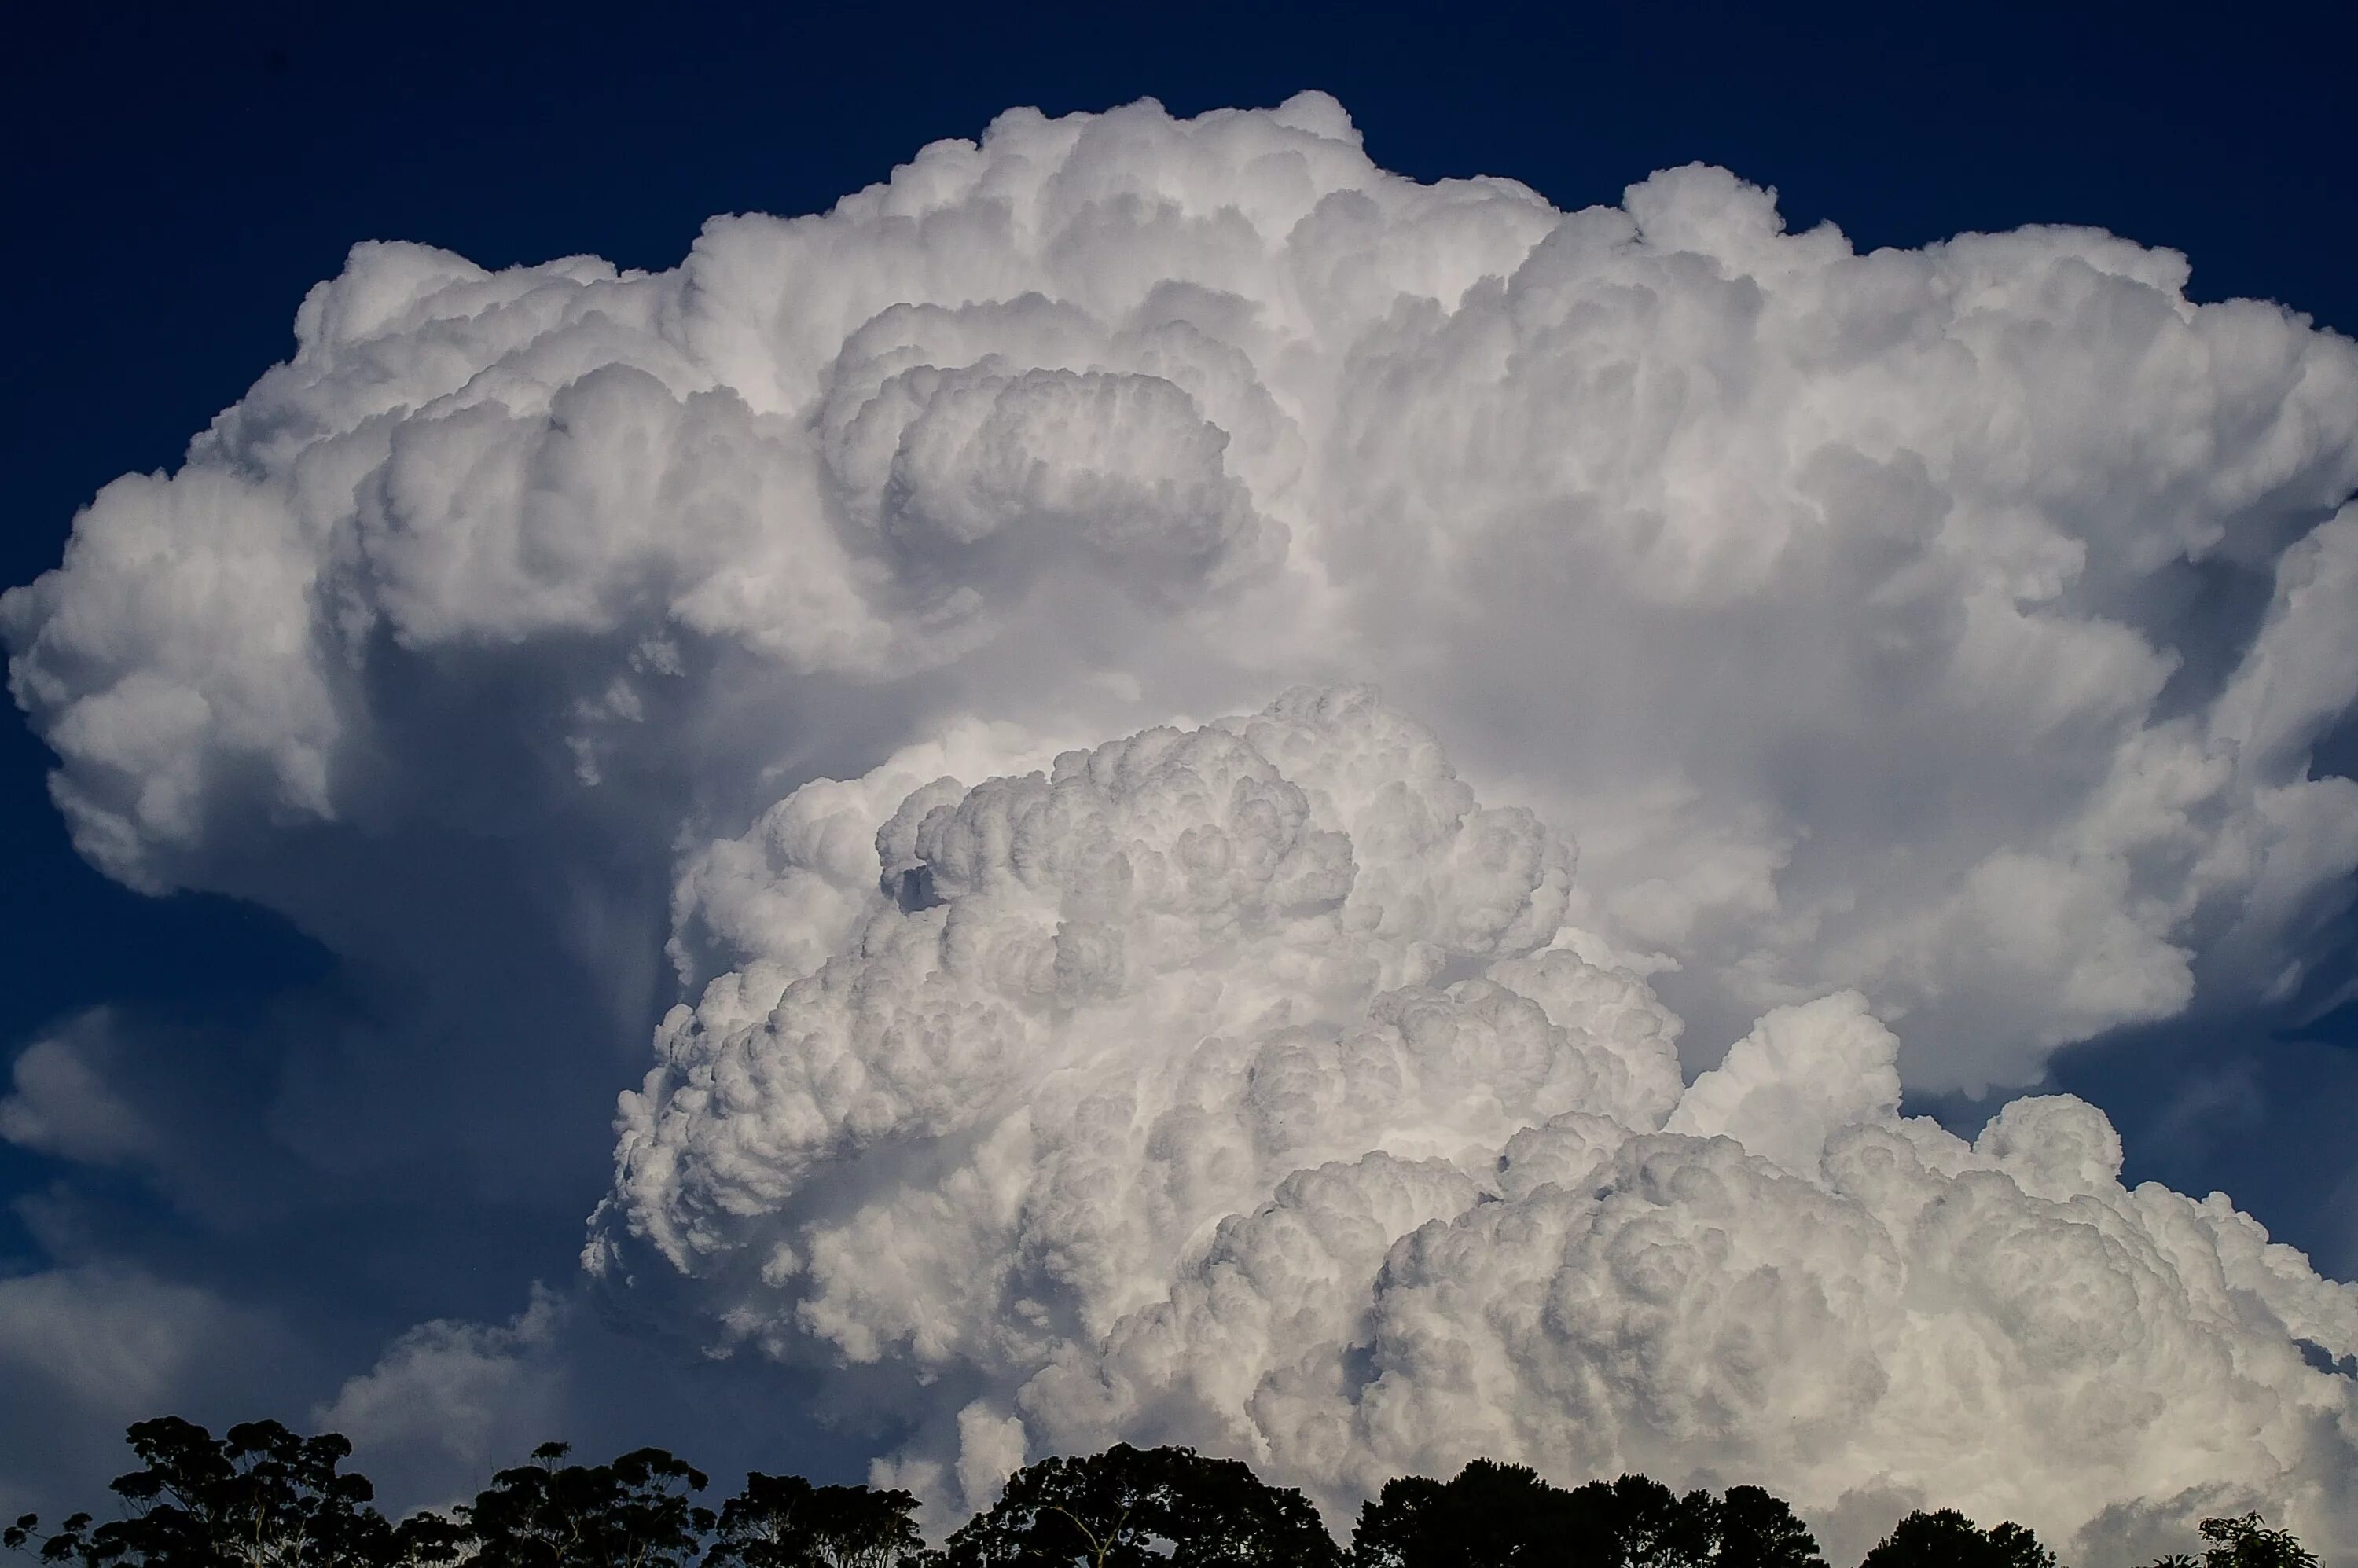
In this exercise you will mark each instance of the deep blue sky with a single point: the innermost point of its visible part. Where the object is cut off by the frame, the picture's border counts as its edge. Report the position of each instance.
(177, 177)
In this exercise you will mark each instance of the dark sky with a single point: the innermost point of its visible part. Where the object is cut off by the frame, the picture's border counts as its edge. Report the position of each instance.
(177, 176)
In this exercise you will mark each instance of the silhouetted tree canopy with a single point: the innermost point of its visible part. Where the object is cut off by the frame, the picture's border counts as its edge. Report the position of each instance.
(1949, 1540)
(1130, 1507)
(633, 1513)
(1490, 1513)
(1756, 1529)
(1494, 1514)
(2246, 1541)
(258, 1496)
(261, 1497)
(784, 1521)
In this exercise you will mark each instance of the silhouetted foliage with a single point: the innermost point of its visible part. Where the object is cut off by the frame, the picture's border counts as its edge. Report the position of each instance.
(1636, 1522)
(633, 1513)
(1494, 1514)
(784, 1521)
(1949, 1540)
(2245, 1542)
(1130, 1507)
(1491, 1513)
(1757, 1529)
(261, 1497)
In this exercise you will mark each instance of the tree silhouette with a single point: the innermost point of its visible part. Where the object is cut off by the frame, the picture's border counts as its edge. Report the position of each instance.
(633, 1513)
(259, 1497)
(1130, 1507)
(1636, 1522)
(1493, 1514)
(1490, 1514)
(1757, 1529)
(1949, 1540)
(2245, 1542)
(784, 1521)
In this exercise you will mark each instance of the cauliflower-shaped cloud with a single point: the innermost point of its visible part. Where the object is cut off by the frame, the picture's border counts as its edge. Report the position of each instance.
(1953, 640)
(1241, 1086)
(1956, 625)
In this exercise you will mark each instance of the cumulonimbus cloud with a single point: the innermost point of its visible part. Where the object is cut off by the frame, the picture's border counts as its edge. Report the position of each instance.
(1958, 628)
(1957, 624)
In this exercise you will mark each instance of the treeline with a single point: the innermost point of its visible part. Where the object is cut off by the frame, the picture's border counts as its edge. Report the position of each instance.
(261, 1497)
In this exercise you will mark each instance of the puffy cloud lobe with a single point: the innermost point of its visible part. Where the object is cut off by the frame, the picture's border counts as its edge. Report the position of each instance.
(1241, 1086)
(784, 894)
(2000, 1322)
(1049, 463)
(451, 1401)
(63, 1104)
(1897, 620)
(1055, 917)
(1801, 1075)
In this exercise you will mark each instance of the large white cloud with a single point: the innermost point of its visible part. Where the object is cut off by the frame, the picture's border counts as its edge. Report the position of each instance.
(1242, 1086)
(1961, 627)
(1957, 624)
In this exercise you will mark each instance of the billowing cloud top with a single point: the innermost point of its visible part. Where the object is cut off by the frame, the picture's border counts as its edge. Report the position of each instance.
(1949, 637)
(1957, 624)
(1240, 1086)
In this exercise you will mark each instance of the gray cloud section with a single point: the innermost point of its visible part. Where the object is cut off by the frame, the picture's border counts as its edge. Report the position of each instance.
(87, 1348)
